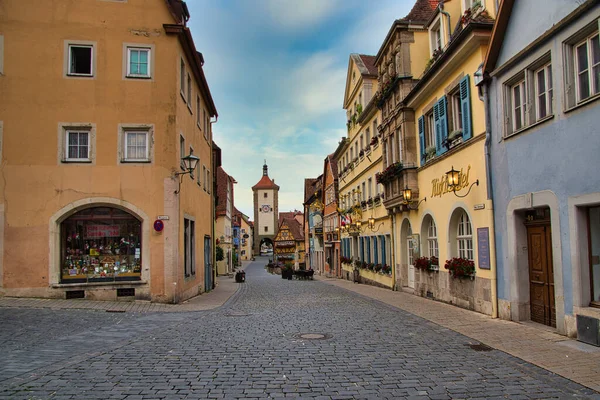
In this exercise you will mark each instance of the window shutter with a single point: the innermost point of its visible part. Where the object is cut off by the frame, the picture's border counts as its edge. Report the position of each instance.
(422, 138)
(438, 128)
(465, 105)
(443, 123)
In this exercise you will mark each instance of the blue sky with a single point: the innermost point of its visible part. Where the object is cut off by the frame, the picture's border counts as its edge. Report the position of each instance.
(277, 72)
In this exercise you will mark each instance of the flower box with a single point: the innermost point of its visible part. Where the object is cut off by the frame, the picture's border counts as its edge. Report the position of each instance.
(461, 268)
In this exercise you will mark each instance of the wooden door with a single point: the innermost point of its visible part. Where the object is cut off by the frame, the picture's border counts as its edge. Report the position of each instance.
(541, 274)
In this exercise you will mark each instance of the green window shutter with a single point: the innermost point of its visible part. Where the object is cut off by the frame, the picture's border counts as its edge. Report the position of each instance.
(438, 128)
(465, 104)
(422, 138)
(443, 107)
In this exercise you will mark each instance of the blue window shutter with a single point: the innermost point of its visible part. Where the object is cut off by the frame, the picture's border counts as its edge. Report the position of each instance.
(443, 107)
(422, 138)
(465, 105)
(368, 241)
(438, 128)
(383, 250)
(362, 250)
(375, 250)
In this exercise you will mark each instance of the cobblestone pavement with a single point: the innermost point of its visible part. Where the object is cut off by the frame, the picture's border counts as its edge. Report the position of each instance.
(252, 347)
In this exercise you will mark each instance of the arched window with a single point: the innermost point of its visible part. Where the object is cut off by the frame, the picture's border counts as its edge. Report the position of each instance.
(464, 237)
(432, 241)
(100, 244)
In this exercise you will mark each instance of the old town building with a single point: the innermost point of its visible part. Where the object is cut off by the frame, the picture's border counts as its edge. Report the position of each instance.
(224, 222)
(542, 90)
(313, 224)
(245, 235)
(445, 226)
(365, 225)
(331, 217)
(289, 241)
(101, 202)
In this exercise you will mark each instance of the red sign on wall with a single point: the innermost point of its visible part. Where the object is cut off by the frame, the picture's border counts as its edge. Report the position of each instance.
(100, 231)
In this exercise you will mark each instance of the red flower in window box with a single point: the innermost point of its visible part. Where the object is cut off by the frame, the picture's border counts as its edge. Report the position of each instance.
(460, 267)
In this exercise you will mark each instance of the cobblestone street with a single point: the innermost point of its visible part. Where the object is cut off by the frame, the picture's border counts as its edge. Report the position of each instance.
(252, 347)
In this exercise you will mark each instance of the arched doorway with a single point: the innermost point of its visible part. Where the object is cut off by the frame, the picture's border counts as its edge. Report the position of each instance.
(100, 244)
(266, 247)
(407, 251)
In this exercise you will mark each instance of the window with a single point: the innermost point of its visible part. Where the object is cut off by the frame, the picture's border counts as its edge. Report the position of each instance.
(100, 244)
(208, 180)
(432, 242)
(207, 130)
(138, 62)
(266, 229)
(455, 111)
(464, 237)
(594, 252)
(80, 59)
(198, 174)
(78, 145)
(529, 96)
(429, 132)
(362, 142)
(518, 105)
(543, 92)
(368, 137)
(198, 114)
(265, 195)
(370, 188)
(399, 145)
(181, 151)
(587, 67)
(375, 127)
(204, 173)
(436, 35)
(135, 146)
(189, 244)
(182, 79)
(470, 3)
(189, 91)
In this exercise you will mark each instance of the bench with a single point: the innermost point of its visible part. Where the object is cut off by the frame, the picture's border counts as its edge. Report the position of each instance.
(304, 274)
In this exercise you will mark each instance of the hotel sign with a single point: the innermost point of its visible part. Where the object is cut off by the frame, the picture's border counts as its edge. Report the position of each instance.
(440, 186)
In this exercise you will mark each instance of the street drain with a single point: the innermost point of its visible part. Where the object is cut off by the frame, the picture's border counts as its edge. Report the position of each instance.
(480, 347)
(312, 336)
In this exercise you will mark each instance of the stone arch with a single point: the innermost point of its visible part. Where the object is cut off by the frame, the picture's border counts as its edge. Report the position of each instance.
(457, 212)
(426, 221)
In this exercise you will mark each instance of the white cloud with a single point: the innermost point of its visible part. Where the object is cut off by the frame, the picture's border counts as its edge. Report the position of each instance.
(294, 15)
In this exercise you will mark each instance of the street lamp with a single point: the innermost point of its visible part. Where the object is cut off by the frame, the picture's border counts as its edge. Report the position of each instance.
(189, 163)
(407, 195)
(453, 180)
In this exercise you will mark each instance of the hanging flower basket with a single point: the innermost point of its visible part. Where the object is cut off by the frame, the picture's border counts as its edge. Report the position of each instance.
(460, 268)
(389, 173)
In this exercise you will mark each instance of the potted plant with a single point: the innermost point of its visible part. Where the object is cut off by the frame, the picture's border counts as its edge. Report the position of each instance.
(363, 204)
(374, 141)
(454, 138)
(430, 153)
(461, 267)
(361, 153)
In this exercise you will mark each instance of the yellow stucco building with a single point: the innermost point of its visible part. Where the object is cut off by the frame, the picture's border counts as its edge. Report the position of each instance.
(434, 129)
(365, 225)
(94, 123)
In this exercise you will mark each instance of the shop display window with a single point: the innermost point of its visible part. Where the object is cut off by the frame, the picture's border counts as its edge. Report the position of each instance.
(101, 244)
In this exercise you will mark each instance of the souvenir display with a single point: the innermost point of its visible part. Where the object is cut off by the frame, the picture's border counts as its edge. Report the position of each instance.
(101, 249)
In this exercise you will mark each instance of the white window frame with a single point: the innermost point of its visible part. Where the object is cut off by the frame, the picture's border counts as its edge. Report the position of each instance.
(63, 139)
(464, 237)
(593, 91)
(548, 91)
(77, 131)
(126, 156)
(456, 109)
(131, 48)
(429, 130)
(189, 91)
(522, 105)
(68, 44)
(432, 240)
(436, 35)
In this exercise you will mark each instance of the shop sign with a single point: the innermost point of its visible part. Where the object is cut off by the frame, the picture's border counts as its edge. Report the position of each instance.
(415, 245)
(284, 250)
(163, 217)
(483, 247)
(440, 186)
(100, 231)
(286, 243)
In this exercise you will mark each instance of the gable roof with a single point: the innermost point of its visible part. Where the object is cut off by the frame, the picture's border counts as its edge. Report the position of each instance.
(295, 228)
(421, 11)
(366, 68)
(309, 188)
(265, 182)
(222, 181)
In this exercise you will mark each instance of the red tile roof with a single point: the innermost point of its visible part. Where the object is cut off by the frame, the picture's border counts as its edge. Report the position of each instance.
(265, 183)
(309, 188)
(295, 228)
(422, 10)
(369, 62)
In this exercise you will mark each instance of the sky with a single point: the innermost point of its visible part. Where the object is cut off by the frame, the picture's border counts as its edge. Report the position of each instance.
(277, 73)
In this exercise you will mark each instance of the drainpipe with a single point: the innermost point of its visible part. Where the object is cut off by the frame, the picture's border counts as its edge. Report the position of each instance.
(393, 250)
(484, 96)
(441, 6)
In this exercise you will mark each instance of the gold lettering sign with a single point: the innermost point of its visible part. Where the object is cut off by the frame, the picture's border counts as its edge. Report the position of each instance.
(440, 186)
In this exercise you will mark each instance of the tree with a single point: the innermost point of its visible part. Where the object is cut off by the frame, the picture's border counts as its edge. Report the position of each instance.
(220, 256)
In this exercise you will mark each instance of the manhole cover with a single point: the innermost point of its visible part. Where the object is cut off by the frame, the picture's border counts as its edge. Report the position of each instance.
(312, 336)
(480, 347)
(237, 314)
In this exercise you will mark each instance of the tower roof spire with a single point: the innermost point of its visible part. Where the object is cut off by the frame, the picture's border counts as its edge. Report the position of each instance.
(265, 182)
(265, 169)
